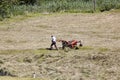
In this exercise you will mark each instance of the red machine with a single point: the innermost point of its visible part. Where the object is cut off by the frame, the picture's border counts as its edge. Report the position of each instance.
(71, 44)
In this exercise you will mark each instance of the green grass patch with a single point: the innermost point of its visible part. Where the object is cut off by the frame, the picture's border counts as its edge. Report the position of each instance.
(34, 51)
(103, 49)
(41, 51)
(86, 48)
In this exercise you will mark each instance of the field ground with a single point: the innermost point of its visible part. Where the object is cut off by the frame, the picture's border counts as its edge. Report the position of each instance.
(15, 78)
(23, 43)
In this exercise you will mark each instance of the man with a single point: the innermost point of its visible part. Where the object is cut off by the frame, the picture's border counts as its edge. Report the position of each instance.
(53, 42)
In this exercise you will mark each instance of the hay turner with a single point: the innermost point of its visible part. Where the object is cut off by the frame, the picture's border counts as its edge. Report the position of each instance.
(73, 44)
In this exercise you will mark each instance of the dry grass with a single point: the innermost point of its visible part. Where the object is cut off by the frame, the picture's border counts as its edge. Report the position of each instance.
(15, 78)
(23, 47)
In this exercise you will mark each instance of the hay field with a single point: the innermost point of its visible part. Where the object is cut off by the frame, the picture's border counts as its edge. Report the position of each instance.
(23, 42)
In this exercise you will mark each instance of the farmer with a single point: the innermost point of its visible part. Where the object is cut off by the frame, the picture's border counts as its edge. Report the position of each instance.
(53, 40)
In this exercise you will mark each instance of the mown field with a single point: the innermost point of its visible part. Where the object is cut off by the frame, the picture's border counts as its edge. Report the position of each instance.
(24, 39)
(14, 78)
